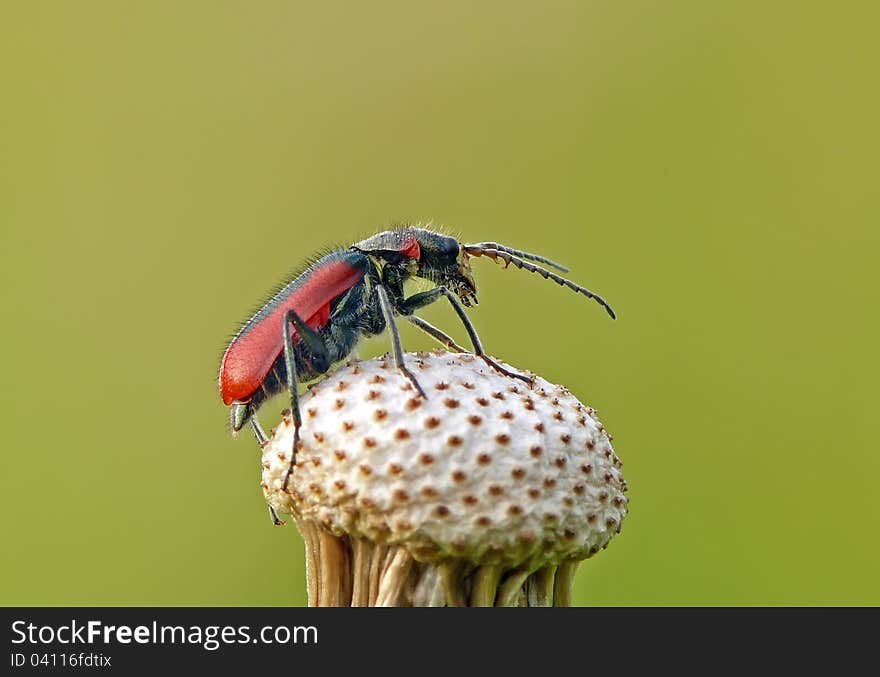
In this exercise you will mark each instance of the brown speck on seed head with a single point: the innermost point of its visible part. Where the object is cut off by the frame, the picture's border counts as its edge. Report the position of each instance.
(312, 412)
(369, 442)
(484, 459)
(395, 469)
(315, 488)
(496, 490)
(316, 461)
(482, 521)
(432, 422)
(527, 537)
(536, 451)
(569, 534)
(582, 421)
(454, 441)
(366, 503)
(610, 522)
(507, 415)
(378, 378)
(560, 461)
(319, 437)
(502, 439)
(340, 403)
(549, 482)
(342, 385)
(608, 453)
(452, 403)
(498, 396)
(579, 489)
(401, 496)
(380, 414)
(428, 492)
(591, 519)
(590, 445)
(373, 395)
(401, 434)
(441, 511)
(539, 427)
(517, 473)
(470, 499)
(482, 401)
(365, 470)
(568, 501)
(565, 438)
(603, 496)
(442, 386)
(282, 456)
(551, 517)
(459, 476)
(608, 477)
(529, 403)
(356, 370)
(586, 468)
(426, 459)
(514, 510)
(558, 416)
(513, 389)
(347, 426)
(535, 493)
(413, 403)
(469, 386)
(475, 420)
(403, 525)
(340, 485)
(617, 501)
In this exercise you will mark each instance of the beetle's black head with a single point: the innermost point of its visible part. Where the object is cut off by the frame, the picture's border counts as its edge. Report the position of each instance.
(443, 261)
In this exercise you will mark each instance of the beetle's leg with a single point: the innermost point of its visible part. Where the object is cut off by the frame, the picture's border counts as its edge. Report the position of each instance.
(277, 521)
(432, 331)
(320, 357)
(396, 345)
(260, 434)
(425, 298)
(262, 439)
(293, 386)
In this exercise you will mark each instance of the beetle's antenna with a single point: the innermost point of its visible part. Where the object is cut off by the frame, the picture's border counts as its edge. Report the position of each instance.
(508, 258)
(516, 252)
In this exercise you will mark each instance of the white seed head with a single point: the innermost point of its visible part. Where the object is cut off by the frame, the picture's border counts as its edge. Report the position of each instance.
(486, 469)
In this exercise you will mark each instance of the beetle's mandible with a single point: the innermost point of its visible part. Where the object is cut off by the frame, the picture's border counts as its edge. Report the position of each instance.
(317, 318)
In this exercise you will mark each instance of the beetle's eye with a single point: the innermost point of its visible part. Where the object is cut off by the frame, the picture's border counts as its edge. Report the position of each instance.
(449, 247)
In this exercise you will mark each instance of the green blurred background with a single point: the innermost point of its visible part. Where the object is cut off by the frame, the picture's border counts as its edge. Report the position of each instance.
(709, 167)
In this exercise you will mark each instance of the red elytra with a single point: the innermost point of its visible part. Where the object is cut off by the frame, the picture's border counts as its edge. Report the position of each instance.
(251, 355)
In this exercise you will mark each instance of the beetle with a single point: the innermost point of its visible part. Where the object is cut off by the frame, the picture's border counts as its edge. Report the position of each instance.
(318, 317)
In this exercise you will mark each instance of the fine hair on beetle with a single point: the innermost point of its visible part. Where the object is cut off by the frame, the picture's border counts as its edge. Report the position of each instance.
(316, 319)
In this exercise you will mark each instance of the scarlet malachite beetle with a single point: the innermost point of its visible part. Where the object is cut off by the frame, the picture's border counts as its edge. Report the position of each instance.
(318, 317)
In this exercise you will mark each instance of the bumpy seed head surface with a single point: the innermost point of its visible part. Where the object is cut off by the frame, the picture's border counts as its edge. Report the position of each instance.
(486, 469)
